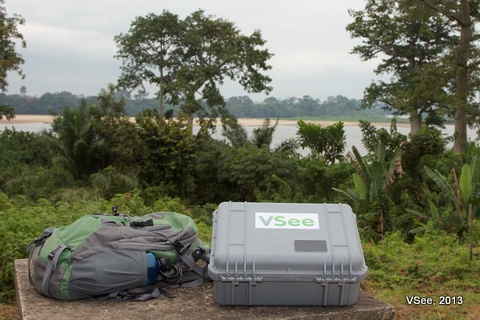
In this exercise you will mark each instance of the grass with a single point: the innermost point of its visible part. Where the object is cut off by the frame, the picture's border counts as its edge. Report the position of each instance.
(435, 265)
(8, 312)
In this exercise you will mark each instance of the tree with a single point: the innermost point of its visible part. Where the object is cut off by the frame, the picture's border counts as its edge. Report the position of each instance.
(78, 152)
(372, 136)
(91, 138)
(148, 53)
(167, 153)
(237, 135)
(464, 14)
(10, 60)
(263, 136)
(189, 59)
(213, 50)
(120, 136)
(256, 174)
(411, 42)
(329, 141)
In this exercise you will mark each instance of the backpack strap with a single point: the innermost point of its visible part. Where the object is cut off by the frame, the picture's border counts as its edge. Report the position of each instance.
(134, 294)
(201, 272)
(51, 266)
(32, 245)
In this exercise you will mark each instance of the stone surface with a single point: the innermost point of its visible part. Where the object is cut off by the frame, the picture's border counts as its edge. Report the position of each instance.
(189, 303)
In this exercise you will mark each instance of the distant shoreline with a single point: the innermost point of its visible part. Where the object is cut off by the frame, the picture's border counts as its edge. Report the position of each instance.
(32, 118)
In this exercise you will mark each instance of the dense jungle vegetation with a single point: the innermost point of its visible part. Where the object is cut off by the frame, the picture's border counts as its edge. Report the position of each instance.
(241, 106)
(411, 195)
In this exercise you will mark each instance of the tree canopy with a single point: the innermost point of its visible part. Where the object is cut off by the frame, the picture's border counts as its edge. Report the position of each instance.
(10, 59)
(410, 41)
(190, 59)
(430, 51)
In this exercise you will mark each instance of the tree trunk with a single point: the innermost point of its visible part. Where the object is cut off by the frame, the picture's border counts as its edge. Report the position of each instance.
(460, 142)
(460, 134)
(190, 121)
(415, 122)
(160, 98)
(464, 21)
(470, 229)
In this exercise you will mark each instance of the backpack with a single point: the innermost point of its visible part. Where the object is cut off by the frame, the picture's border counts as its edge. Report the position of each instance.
(118, 255)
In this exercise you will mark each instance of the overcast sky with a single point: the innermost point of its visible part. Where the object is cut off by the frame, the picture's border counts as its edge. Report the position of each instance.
(70, 44)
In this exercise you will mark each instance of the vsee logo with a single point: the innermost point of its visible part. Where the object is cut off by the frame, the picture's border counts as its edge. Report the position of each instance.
(269, 220)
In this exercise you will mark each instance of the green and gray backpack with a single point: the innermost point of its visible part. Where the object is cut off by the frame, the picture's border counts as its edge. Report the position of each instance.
(118, 255)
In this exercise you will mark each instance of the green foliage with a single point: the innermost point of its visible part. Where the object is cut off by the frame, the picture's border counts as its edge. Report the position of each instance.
(332, 108)
(371, 183)
(10, 59)
(109, 182)
(412, 42)
(315, 180)
(167, 152)
(78, 152)
(24, 162)
(7, 111)
(433, 260)
(328, 141)
(237, 135)
(208, 187)
(171, 53)
(458, 195)
(255, 174)
(92, 138)
(234, 132)
(147, 53)
(263, 135)
(424, 146)
(371, 137)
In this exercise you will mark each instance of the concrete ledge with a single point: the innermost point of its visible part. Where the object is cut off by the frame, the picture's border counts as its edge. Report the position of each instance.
(189, 303)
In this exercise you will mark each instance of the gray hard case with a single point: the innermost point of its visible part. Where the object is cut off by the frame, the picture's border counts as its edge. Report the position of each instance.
(286, 254)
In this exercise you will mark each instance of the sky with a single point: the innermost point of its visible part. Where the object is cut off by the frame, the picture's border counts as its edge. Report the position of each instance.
(70, 44)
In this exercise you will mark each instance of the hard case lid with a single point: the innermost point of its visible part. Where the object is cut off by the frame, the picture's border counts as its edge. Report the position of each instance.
(285, 242)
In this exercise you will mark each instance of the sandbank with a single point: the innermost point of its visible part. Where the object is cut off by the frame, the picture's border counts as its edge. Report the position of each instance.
(33, 118)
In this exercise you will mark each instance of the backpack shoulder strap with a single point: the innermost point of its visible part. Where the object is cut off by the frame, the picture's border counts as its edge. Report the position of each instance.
(139, 294)
(201, 272)
(32, 245)
(51, 266)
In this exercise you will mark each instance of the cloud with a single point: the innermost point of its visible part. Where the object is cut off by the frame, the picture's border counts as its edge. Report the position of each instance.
(70, 45)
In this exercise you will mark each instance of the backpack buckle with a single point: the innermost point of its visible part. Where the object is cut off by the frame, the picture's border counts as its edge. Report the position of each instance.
(52, 254)
(180, 248)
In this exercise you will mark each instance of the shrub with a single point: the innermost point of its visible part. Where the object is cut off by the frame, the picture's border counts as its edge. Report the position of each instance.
(432, 260)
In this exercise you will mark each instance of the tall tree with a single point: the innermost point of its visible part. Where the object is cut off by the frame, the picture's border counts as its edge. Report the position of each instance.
(10, 59)
(329, 141)
(465, 15)
(147, 51)
(213, 50)
(196, 55)
(410, 41)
